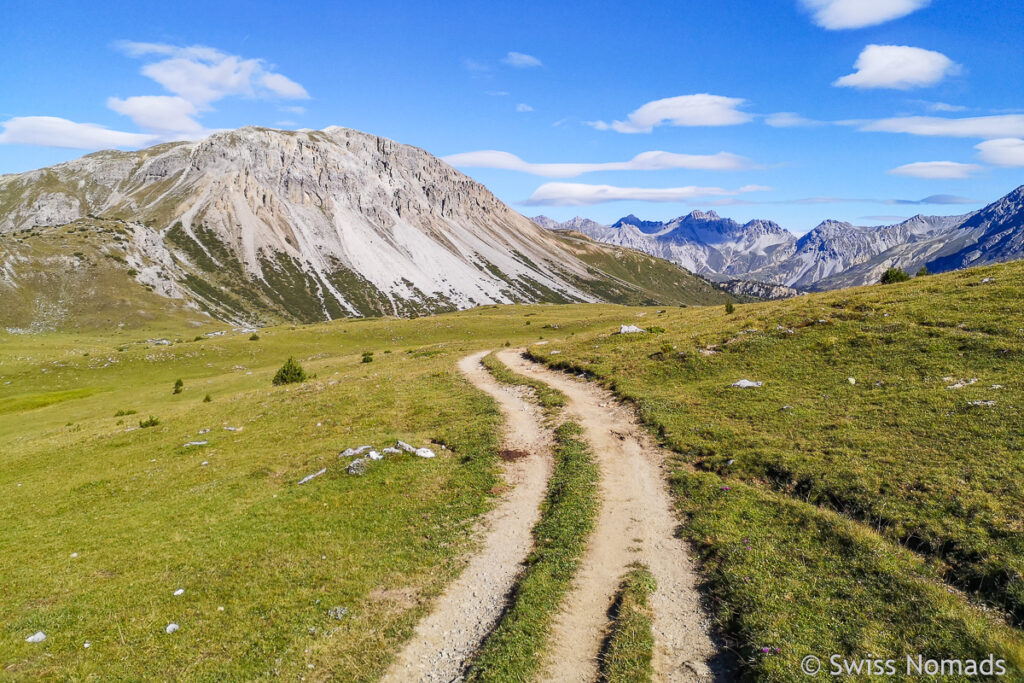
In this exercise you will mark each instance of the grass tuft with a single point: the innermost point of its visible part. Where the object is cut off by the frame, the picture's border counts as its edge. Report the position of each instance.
(514, 650)
(630, 644)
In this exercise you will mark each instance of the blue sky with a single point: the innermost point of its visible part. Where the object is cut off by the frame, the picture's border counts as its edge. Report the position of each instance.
(794, 110)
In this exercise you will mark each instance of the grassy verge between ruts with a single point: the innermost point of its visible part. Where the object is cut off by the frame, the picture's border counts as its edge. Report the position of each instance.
(514, 650)
(550, 399)
(626, 656)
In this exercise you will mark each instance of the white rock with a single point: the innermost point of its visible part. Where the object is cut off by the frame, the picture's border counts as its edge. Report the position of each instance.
(195, 443)
(180, 591)
(312, 476)
(36, 637)
(171, 628)
(204, 431)
(851, 380)
(630, 329)
(391, 450)
(746, 384)
(204, 463)
(374, 455)
(405, 447)
(74, 555)
(424, 453)
(87, 645)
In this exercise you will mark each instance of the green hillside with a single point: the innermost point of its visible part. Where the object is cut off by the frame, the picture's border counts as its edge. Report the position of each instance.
(868, 498)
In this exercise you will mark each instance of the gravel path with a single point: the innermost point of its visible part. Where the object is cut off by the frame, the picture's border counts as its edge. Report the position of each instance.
(636, 523)
(468, 609)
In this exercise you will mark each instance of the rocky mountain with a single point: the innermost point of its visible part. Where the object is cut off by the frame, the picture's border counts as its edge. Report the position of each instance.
(702, 242)
(834, 254)
(261, 225)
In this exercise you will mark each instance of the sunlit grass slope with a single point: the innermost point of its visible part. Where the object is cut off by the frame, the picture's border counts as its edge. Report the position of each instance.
(103, 521)
(873, 486)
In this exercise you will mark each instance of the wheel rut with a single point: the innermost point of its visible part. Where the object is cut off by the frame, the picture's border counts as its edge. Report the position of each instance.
(467, 611)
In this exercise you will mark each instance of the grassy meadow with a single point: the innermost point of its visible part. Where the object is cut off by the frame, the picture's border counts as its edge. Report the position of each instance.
(103, 520)
(868, 498)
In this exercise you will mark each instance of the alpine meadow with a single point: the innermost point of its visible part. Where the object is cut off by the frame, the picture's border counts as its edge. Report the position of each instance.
(435, 343)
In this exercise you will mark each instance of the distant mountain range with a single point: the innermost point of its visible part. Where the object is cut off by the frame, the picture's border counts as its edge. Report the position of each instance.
(834, 254)
(258, 225)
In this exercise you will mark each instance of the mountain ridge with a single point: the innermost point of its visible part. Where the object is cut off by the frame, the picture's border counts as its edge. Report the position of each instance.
(832, 255)
(257, 225)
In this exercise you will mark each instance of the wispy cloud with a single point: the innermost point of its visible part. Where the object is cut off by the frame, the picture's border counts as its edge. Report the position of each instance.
(937, 170)
(579, 194)
(521, 61)
(203, 75)
(51, 131)
(1002, 151)
(898, 67)
(846, 14)
(475, 66)
(685, 110)
(162, 113)
(496, 93)
(521, 107)
(943, 107)
(985, 127)
(646, 161)
(196, 76)
(787, 119)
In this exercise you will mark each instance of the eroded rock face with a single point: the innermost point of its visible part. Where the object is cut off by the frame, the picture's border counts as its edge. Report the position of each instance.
(359, 222)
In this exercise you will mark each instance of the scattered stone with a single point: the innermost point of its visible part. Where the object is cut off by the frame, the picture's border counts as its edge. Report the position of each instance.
(337, 613)
(984, 404)
(391, 450)
(731, 461)
(204, 463)
(180, 591)
(220, 609)
(374, 455)
(553, 353)
(986, 280)
(74, 555)
(424, 453)
(87, 645)
(631, 329)
(851, 380)
(787, 407)
(405, 447)
(36, 637)
(233, 429)
(171, 628)
(357, 467)
(352, 452)
(204, 431)
(195, 443)
(311, 477)
(746, 384)
(961, 383)
(997, 386)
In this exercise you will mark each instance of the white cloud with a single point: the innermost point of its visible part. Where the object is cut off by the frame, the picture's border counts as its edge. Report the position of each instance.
(162, 113)
(203, 75)
(579, 194)
(496, 93)
(937, 170)
(523, 107)
(646, 161)
(685, 110)
(786, 119)
(521, 61)
(282, 86)
(942, 106)
(842, 14)
(196, 76)
(50, 131)
(986, 127)
(1002, 151)
(898, 67)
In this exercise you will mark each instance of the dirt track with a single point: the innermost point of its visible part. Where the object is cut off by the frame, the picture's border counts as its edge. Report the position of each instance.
(636, 523)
